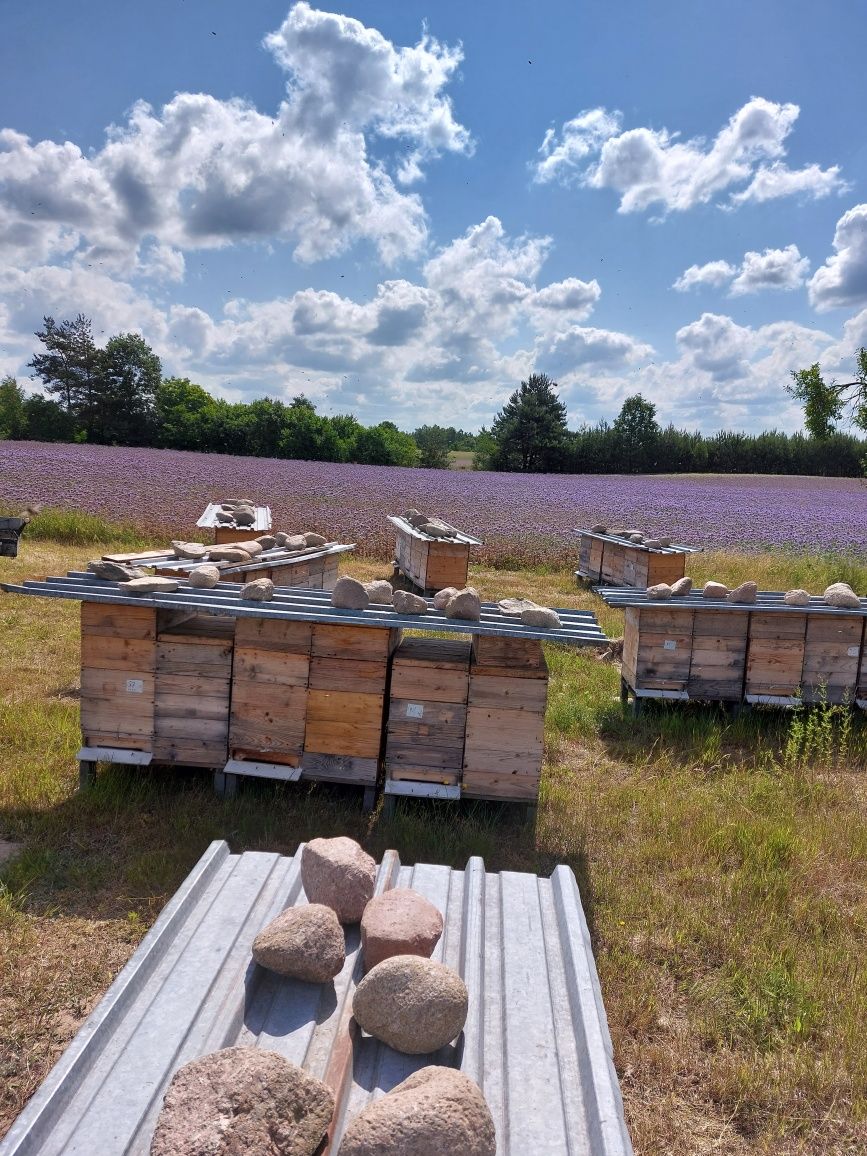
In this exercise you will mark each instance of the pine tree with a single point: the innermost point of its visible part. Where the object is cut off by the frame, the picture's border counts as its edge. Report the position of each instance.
(530, 429)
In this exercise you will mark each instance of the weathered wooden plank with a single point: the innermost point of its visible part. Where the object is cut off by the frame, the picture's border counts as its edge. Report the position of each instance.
(496, 650)
(189, 706)
(344, 724)
(339, 768)
(262, 667)
(192, 658)
(348, 674)
(111, 653)
(274, 634)
(514, 694)
(118, 621)
(348, 642)
(419, 774)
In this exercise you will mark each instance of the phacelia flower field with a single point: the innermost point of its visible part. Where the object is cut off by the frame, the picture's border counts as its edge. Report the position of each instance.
(523, 518)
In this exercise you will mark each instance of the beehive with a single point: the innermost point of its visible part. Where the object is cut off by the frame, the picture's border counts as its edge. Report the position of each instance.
(118, 664)
(427, 711)
(776, 655)
(192, 684)
(617, 562)
(270, 674)
(346, 702)
(657, 648)
(719, 655)
(832, 654)
(505, 734)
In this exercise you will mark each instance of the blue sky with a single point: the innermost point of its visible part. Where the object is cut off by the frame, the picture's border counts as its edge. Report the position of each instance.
(402, 209)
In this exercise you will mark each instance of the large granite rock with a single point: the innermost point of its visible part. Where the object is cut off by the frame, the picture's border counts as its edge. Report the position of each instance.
(380, 592)
(267, 541)
(194, 551)
(204, 577)
(302, 942)
(114, 571)
(228, 554)
(797, 597)
(841, 595)
(253, 547)
(465, 605)
(242, 1102)
(434, 1112)
(312, 539)
(414, 1005)
(745, 594)
(681, 587)
(715, 591)
(661, 591)
(151, 586)
(261, 590)
(443, 597)
(296, 542)
(541, 616)
(340, 874)
(349, 594)
(515, 607)
(245, 516)
(406, 603)
(399, 922)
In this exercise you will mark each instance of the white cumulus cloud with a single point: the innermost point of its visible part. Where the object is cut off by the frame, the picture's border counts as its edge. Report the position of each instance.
(770, 269)
(842, 280)
(649, 167)
(714, 274)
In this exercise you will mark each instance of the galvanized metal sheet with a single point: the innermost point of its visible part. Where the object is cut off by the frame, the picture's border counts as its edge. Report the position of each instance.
(460, 537)
(264, 561)
(766, 600)
(260, 526)
(578, 627)
(614, 540)
(536, 1038)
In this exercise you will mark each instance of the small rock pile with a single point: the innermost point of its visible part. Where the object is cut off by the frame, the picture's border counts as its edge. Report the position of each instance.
(635, 536)
(838, 594)
(237, 512)
(249, 1100)
(530, 612)
(428, 524)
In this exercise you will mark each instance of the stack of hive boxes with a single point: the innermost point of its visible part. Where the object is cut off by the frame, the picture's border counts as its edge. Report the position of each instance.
(118, 664)
(191, 693)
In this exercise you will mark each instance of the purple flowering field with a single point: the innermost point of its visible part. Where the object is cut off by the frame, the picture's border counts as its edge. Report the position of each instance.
(525, 517)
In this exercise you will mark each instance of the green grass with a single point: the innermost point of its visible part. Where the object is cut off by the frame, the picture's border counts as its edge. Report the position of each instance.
(76, 528)
(722, 863)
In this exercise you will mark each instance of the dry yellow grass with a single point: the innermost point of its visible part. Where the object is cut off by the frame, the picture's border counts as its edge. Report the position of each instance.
(722, 871)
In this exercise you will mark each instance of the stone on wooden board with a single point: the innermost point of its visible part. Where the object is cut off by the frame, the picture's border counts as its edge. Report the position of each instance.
(204, 577)
(841, 595)
(715, 591)
(380, 592)
(228, 554)
(660, 592)
(442, 597)
(406, 603)
(745, 594)
(349, 594)
(261, 590)
(151, 586)
(465, 605)
(542, 617)
(681, 587)
(797, 597)
(114, 571)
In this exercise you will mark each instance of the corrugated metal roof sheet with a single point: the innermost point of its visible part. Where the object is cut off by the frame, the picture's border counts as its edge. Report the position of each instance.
(578, 627)
(408, 528)
(614, 540)
(260, 526)
(766, 600)
(536, 1038)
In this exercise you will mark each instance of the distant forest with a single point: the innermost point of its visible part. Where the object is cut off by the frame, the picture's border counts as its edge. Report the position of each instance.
(116, 395)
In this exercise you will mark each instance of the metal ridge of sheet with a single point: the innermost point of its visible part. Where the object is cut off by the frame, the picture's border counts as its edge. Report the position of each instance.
(579, 627)
(460, 538)
(766, 600)
(672, 548)
(536, 1037)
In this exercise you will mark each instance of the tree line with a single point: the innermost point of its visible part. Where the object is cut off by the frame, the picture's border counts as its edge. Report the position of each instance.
(530, 434)
(116, 395)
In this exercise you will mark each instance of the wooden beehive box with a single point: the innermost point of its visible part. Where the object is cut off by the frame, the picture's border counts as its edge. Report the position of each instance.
(270, 673)
(505, 735)
(431, 563)
(832, 657)
(192, 684)
(346, 702)
(775, 664)
(657, 648)
(427, 711)
(118, 663)
(617, 562)
(719, 655)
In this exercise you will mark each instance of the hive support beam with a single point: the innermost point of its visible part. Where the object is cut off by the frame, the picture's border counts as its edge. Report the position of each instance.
(369, 799)
(225, 786)
(389, 802)
(86, 774)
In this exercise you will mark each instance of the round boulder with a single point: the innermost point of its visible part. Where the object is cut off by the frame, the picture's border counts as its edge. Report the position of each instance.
(340, 874)
(380, 592)
(253, 548)
(228, 554)
(302, 942)
(204, 577)
(267, 541)
(195, 551)
(399, 922)
(681, 587)
(244, 516)
(242, 1100)
(349, 594)
(433, 1112)
(660, 592)
(797, 597)
(414, 1005)
(406, 603)
(716, 591)
(262, 590)
(465, 605)
(311, 539)
(541, 616)
(841, 595)
(745, 594)
(443, 597)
